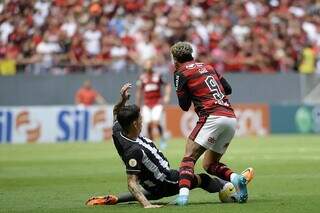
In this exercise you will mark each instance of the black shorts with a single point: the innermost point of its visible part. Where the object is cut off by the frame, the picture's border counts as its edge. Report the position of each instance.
(167, 188)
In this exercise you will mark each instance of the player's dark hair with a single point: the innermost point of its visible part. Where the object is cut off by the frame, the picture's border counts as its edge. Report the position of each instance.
(182, 52)
(184, 58)
(127, 115)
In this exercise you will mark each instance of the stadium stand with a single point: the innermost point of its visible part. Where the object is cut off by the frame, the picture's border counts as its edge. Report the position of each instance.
(67, 36)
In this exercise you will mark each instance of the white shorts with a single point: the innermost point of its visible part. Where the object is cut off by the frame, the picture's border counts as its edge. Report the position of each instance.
(214, 132)
(151, 114)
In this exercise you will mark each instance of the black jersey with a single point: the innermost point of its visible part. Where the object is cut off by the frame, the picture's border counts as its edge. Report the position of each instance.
(142, 158)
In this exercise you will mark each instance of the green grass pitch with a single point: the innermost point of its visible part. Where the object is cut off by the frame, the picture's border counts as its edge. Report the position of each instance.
(60, 177)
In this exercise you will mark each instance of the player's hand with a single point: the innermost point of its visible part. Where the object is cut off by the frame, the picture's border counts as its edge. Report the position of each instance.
(152, 206)
(125, 91)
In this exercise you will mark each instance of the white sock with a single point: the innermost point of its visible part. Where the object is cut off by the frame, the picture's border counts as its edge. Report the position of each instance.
(184, 191)
(233, 175)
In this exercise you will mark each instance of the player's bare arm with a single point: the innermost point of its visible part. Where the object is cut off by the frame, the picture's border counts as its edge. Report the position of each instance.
(139, 94)
(124, 97)
(135, 189)
(167, 94)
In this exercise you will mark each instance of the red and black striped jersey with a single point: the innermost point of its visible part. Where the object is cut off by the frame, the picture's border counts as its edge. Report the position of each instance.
(151, 88)
(201, 84)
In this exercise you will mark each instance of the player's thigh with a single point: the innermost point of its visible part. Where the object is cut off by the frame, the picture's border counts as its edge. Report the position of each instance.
(156, 113)
(228, 127)
(216, 133)
(171, 185)
(146, 114)
(206, 131)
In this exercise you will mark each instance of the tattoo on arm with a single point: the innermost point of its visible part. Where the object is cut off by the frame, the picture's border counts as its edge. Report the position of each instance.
(117, 107)
(135, 189)
(125, 95)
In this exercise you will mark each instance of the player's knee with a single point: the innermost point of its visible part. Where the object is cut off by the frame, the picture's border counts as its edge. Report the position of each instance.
(193, 150)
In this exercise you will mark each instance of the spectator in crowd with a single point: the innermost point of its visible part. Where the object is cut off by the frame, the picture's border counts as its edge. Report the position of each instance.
(235, 36)
(307, 61)
(88, 96)
(92, 36)
(8, 62)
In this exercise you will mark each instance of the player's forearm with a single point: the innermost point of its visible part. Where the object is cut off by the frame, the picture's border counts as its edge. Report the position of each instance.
(124, 96)
(136, 191)
(138, 96)
(118, 106)
(167, 94)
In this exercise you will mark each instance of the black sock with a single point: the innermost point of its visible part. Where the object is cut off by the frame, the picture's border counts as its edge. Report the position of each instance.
(211, 185)
(128, 197)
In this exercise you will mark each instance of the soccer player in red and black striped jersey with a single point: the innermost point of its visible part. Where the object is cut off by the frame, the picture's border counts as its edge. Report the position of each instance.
(200, 84)
(149, 175)
(149, 88)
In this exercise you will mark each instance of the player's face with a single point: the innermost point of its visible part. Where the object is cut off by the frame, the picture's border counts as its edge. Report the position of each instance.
(137, 125)
(148, 66)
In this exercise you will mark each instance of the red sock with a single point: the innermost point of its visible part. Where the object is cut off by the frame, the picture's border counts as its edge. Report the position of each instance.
(186, 172)
(220, 170)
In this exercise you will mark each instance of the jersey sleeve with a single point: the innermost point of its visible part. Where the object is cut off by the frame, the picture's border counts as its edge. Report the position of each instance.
(133, 162)
(116, 128)
(180, 83)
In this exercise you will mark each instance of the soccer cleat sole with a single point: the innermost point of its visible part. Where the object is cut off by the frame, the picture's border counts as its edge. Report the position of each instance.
(102, 200)
(243, 192)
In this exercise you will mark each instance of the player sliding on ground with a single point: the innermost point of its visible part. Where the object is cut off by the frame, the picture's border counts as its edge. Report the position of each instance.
(148, 171)
(201, 85)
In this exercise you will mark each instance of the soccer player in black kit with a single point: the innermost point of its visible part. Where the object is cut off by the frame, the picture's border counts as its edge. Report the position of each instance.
(149, 175)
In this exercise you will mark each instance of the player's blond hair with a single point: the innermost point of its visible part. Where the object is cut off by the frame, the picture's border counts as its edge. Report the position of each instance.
(182, 51)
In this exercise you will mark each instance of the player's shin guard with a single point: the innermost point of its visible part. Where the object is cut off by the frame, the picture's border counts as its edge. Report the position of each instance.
(220, 170)
(186, 172)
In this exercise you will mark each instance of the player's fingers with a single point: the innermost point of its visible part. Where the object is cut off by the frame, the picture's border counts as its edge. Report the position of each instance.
(125, 87)
(153, 206)
(128, 85)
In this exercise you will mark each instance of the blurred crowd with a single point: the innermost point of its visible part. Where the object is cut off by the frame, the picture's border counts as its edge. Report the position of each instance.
(68, 36)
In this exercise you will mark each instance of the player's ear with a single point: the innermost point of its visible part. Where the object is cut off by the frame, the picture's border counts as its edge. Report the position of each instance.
(135, 124)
